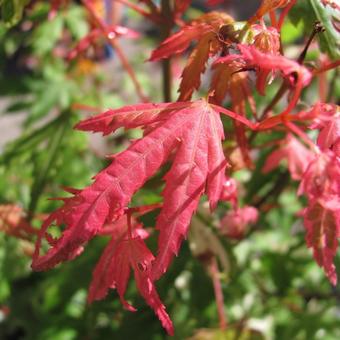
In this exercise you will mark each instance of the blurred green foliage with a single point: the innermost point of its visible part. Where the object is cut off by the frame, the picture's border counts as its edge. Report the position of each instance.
(273, 288)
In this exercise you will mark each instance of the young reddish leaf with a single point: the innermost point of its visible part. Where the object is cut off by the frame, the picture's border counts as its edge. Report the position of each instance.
(191, 76)
(194, 130)
(229, 191)
(321, 180)
(205, 29)
(104, 275)
(179, 41)
(267, 40)
(326, 118)
(113, 271)
(255, 58)
(323, 229)
(129, 117)
(199, 162)
(236, 222)
(122, 254)
(298, 75)
(297, 155)
(329, 136)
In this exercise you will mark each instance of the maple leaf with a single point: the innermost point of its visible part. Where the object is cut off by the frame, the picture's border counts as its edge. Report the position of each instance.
(321, 180)
(123, 253)
(326, 118)
(323, 230)
(193, 129)
(205, 30)
(297, 155)
(227, 80)
(267, 40)
(235, 223)
(320, 183)
(298, 75)
(229, 191)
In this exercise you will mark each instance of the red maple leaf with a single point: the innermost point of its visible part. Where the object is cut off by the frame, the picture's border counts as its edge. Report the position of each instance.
(326, 118)
(321, 180)
(321, 185)
(236, 222)
(193, 131)
(124, 252)
(298, 75)
(204, 29)
(297, 155)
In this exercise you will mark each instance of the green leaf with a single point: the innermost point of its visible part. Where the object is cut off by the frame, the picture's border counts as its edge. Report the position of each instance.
(46, 35)
(12, 11)
(329, 17)
(75, 20)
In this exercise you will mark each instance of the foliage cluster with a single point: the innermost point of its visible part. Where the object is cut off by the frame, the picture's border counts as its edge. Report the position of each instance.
(249, 154)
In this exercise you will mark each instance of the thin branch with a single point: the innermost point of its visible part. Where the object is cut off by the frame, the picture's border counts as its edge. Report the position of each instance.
(218, 292)
(112, 41)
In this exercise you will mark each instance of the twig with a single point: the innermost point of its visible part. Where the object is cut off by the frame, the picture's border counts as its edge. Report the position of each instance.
(155, 18)
(218, 292)
(112, 41)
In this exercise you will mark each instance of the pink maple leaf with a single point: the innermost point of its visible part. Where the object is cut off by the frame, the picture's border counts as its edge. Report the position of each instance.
(123, 253)
(236, 222)
(321, 180)
(193, 130)
(298, 75)
(326, 118)
(297, 155)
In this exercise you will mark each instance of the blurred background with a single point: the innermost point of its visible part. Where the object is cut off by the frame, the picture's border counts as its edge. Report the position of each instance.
(272, 287)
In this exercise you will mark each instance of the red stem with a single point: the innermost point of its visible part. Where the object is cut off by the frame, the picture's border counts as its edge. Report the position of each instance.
(296, 96)
(292, 127)
(327, 67)
(218, 293)
(235, 116)
(155, 18)
(273, 18)
(100, 23)
(284, 14)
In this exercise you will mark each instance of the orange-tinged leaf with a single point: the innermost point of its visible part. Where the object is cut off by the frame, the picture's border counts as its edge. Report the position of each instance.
(191, 76)
(179, 41)
(129, 117)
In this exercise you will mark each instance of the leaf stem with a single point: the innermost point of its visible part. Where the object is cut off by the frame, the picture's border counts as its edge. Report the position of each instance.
(218, 292)
(103, 27)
